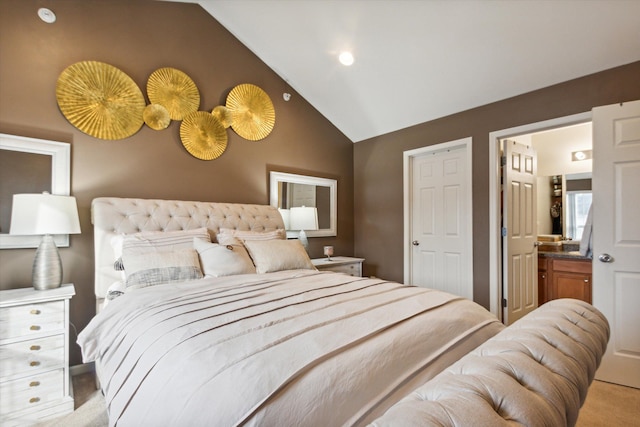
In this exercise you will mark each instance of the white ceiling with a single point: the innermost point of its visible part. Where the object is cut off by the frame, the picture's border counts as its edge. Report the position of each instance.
(418, 60)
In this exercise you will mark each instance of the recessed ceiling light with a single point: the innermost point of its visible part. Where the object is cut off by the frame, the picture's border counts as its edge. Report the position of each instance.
(346, 58)
(47, 15)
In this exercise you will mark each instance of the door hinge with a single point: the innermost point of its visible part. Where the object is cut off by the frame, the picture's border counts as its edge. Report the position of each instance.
(503, 161)
(504, 231)
(504, 303)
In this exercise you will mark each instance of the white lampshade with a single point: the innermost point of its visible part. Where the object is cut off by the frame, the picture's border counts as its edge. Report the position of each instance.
(44, 214)
(303, 218)
(285, 213)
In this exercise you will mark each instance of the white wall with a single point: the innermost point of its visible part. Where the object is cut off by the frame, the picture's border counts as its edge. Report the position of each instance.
(543, 218)
(554, 149)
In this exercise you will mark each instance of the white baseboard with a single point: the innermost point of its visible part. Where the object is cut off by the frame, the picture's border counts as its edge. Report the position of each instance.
(83, 368)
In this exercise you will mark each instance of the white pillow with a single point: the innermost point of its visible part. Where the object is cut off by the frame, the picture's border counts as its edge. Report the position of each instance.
(228, 258)
(147, 241)
(155, 268)
(252, 235)
(277, 255)
(153, 241)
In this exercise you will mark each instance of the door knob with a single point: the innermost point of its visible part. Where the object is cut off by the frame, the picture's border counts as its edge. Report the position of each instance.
(415, 243)
(605, 258)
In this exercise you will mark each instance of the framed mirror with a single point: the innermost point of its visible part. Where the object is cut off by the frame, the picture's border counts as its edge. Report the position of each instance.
(29, 165)
(288, 191)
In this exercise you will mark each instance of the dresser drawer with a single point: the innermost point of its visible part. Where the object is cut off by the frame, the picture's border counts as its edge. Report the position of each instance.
(350, 269)
(31, 319)
(32, 391)
(33, 355)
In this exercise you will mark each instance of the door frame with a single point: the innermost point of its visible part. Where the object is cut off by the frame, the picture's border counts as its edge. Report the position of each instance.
(495, 231)
(407, 162)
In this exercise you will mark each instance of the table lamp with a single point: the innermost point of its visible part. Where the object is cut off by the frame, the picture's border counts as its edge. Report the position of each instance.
(45, 214)
(303, 218)
(285, 214)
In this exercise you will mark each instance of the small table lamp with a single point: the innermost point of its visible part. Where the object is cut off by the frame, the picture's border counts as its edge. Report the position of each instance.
(285, 214)
(303, 218)
(46, 214)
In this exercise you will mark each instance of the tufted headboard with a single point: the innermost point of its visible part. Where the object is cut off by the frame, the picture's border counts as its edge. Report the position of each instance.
(111, 216)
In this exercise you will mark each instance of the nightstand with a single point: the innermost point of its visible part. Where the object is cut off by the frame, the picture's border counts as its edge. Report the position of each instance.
(340, 264)
(34, 355)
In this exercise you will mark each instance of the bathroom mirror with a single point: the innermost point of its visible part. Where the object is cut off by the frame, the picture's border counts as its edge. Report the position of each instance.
(288, 190)
(29, 165)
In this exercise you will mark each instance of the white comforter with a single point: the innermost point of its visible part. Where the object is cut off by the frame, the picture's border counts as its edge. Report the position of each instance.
(289, 348)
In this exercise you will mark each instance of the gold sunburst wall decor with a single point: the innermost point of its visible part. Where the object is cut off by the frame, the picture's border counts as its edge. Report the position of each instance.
(252, 112)
(100, 100)
(156, 116)
(203, 136)
(175, 91)
(223, 114)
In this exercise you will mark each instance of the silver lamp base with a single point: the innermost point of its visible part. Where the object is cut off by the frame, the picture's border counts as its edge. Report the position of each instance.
(47, 266)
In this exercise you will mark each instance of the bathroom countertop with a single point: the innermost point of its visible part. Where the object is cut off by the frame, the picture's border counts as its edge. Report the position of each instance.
(563, 254)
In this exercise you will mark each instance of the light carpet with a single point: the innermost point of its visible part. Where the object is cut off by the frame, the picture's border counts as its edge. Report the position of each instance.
(606, 405)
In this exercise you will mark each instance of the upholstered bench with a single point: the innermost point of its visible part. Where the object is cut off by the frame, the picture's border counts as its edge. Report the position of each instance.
(535, 373)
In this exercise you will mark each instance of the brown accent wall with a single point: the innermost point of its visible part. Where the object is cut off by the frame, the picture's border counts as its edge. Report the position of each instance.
(378, 171)
(139, 37)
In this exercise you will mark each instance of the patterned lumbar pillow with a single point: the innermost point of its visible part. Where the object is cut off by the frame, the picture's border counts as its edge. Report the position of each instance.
(155, 268)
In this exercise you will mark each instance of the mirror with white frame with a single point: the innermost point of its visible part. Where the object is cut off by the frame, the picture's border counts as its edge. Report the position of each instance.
(292, 191)
(29, 165)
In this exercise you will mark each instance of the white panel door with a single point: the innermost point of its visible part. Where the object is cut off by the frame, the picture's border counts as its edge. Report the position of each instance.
(441, 252)
(616, 237)
(520, 262)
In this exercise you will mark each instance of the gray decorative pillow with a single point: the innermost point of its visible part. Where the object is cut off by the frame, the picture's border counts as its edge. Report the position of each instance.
(227, 258)
(276, 255)
(155, 268)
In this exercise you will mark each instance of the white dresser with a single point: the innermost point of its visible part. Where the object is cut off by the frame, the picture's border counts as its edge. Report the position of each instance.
(34, 355)
(340, 264)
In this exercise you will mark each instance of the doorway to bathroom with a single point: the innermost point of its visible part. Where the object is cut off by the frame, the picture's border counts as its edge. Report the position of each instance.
(547, 133)
(546, 192)
(616, 231)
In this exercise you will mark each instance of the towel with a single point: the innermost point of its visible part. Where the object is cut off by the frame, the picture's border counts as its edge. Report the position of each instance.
(586, 244)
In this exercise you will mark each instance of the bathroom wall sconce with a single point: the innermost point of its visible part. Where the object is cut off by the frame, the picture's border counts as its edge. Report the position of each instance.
(577, 156)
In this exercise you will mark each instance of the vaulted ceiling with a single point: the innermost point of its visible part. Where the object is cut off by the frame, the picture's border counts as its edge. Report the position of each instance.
(418, 60)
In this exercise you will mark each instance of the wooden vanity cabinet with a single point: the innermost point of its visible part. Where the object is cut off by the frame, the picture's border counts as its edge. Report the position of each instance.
(571, 279)
(543, 282)
(563, 278)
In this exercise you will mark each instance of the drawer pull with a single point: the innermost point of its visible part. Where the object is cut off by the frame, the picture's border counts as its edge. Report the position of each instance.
(34, 400)
(34, 363)
(34, 348)
(34, 383)
(35, 311)
(35, 328)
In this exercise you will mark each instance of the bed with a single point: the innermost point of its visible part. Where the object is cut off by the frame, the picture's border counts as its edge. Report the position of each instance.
(194, 334)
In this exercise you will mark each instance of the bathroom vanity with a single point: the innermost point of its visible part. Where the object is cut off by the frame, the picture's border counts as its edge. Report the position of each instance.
(563, 274)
